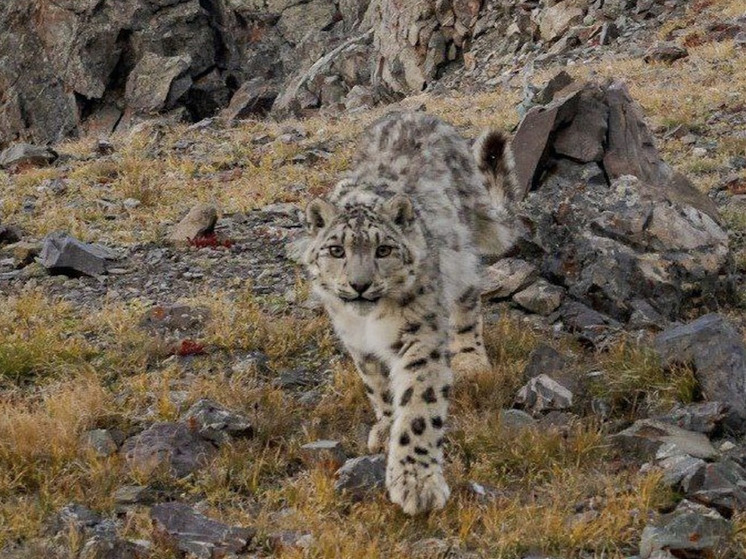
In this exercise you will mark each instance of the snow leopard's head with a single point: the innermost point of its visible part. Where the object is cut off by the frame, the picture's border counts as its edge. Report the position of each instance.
(360, 254)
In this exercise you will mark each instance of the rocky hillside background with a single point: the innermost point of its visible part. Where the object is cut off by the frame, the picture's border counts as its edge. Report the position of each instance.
(95, 66)
(169, 389)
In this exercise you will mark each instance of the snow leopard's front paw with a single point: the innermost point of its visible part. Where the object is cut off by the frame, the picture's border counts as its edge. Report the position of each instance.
(466, 364)
(417, 489)
(378, 438)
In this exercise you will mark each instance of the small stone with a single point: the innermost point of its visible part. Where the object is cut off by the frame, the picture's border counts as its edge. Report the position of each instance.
(507, 276)
(589, 325)
(176, 319)
(170, 446)
(286, 540)
(63, 254)
(649, 438)
(666, 53)
(541, 297)
(721, 485)
(361, 475)
(555, 84)
(543, 393)
(699, 152)
(544, 360)
(216, 423)
(26, 155)
(131, 203)
(192, 532)
(100, 441)
(678, 468)
(702, 417)
(689, 529)
(200, 221)
(328, 455)
(133, 495)
(515, 420)
(104, 147)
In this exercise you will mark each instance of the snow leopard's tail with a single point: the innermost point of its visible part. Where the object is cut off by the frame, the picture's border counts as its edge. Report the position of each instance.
(497, 227)
(495, 160)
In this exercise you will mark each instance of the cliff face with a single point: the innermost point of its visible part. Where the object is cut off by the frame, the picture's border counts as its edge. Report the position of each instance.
(69, 66)
(91, 65)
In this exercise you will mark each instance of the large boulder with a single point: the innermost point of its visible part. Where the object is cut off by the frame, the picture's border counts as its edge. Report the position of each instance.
(610, 221)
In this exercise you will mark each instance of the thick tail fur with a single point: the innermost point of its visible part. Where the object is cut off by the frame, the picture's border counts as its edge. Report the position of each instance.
(497, 228)
(495, 160)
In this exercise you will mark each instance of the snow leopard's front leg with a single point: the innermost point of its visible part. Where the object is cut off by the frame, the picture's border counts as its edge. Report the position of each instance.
(375, 375)
(421, 382)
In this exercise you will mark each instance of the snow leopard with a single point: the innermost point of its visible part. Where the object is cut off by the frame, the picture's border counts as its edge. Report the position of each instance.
(394, 255)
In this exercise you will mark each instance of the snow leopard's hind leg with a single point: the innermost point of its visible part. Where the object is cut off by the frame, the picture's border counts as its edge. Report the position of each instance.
(468, 354)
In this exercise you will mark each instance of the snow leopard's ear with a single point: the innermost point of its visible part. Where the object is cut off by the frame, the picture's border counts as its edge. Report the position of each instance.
(318, 215)
(400, 211)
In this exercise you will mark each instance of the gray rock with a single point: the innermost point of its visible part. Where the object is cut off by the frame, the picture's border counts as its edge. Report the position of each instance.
(649, 439)
(194, 533)
(541, 297)
(287, 540)
(716, 350)
(75, 518)
(544, 360)
(721, 486)
(515, 420)
(359, 476)
(133, 495)
(555, 84)
(216, 423)
(702, 417)
(543, 393)
(359, 97)
(691, 528)
(557, 19)
(168, 446)
(587, 324)
(9, 235)
(583, 139)
(176, 319)
(297, 21)
(200, 221)
(644, 316)
(65, 255)
(158, 82)
(100, 441)
(254, 97)
(679, 469)
(507, 276)
(636, 238)
(109, 546)
(26, 155)
(327, 454)
(665, 52)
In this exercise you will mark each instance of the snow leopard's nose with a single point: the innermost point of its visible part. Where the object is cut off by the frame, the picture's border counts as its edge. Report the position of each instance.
(360, 287)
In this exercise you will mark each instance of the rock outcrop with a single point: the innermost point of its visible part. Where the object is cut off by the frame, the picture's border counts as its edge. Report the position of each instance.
(610, 222)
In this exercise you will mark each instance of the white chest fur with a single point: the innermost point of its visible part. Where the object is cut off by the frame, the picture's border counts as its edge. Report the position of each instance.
(369, 333)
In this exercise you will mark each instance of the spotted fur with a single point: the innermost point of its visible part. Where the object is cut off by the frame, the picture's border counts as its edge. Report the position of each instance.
(394, 256)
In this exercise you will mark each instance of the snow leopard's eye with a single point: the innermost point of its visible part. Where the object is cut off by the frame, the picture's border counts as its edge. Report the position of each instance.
(337, 251)
(383, 251)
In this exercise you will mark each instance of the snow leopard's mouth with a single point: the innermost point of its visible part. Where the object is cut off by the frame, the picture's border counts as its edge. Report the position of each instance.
(360, 300)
